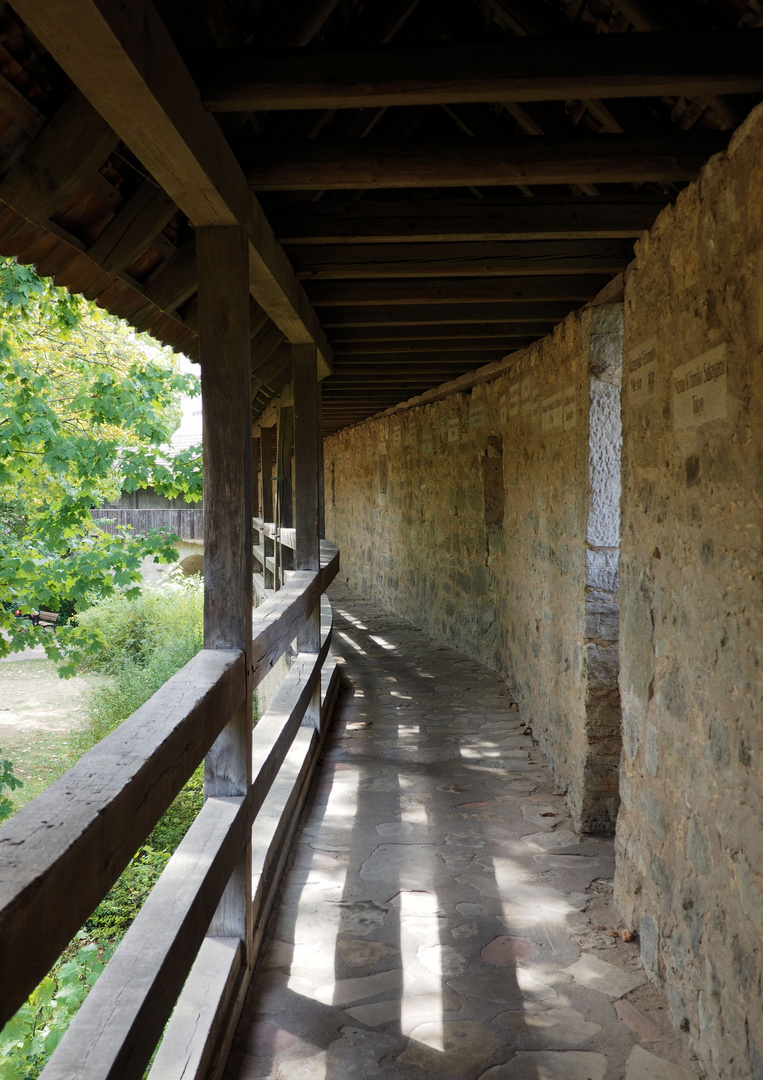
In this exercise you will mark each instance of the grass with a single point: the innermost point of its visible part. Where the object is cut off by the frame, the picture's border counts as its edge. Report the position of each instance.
(37, 716)
(145, 641)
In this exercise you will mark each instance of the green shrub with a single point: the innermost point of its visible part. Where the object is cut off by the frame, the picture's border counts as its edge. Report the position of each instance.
(8, 781)
(144, 642)
(112, 918)
(31, 1036)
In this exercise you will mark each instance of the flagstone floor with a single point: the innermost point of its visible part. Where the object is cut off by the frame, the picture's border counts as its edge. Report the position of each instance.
(440, 917)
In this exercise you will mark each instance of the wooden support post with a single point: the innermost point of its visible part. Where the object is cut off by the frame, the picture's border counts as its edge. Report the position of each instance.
(225, 385)
(266, 458)
(306, 495)
(321, 471)
(256, 501)
(284, 511)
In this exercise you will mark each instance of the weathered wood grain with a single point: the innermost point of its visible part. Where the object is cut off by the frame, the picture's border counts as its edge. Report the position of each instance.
(125, 63)
(75, 839)
(463, 290)
(461, 220)
(225, 395)
(178, 279)
(522, 160)
(118, 1025)
(132, 229)
(474, 259)
(74, 143)
(460, 316)
(200, 1014)
(306, 459)
(276, 623)
(517, 70)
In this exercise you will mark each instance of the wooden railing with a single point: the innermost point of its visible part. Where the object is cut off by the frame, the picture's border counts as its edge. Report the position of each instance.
(273, 550)
(187, 524)
(62, 852)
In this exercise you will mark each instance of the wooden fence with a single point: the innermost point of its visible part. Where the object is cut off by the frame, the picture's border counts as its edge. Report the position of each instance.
(187, 524)
(62, 852)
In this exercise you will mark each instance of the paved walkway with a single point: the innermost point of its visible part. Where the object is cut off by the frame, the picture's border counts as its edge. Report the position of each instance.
(440, 917)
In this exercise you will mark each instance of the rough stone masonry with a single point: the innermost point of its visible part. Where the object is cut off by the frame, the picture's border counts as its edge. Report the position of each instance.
(689, 835)
(491, 519)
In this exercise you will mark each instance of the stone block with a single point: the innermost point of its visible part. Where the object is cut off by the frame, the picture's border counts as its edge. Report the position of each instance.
(654, 813)
(607, 319)
(603, 666)
(631, 728)
(602, 569)
(663, 878)
(602, 625)
(649, 940)
(652, 749)
(698, 846)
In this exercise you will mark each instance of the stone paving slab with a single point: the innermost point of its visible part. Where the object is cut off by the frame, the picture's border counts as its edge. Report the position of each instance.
(440, 917)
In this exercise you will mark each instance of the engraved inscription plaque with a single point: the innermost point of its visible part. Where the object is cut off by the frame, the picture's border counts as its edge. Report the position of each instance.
(526, 395)
(551, 411)
(570, 411)
(699, 390)
(641, 372)
(476, 416)
(514, 398)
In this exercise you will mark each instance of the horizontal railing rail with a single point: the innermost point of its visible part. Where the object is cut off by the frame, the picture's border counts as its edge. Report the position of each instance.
(273, 566)
(62, 852)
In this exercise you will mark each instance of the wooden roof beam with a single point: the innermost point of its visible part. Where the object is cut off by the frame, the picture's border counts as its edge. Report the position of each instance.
(466, 290)
(433, 260)
(133, 228)
(345, 222)
(178, 279)
(340, 339)
(522, 160)
(73, 144)
(411, 315)
(482, 354)
(125, 63)
(439, 346)
(529, 69)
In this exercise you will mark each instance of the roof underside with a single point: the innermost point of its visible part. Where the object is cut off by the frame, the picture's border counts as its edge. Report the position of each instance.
(446, 179)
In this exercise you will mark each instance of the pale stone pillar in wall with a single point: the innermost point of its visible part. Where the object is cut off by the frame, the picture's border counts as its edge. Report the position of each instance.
(599, 801)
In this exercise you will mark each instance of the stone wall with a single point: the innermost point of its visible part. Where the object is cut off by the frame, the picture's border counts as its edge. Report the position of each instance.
(471, 517)
(690, 835)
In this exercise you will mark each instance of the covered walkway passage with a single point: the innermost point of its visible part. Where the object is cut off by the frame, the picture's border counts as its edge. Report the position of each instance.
(476, 291)
(440, 916)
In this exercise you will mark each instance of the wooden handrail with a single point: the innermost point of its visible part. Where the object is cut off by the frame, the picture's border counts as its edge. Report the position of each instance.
(287, 537)
(75, 839)
(63, 851)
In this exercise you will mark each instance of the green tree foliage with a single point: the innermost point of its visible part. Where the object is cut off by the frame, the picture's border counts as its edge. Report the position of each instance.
(8, 782)
(141, 642)
(31, 1036)
(85, 406)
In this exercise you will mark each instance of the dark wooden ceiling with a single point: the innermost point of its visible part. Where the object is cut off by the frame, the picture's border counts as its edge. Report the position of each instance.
(447, 178)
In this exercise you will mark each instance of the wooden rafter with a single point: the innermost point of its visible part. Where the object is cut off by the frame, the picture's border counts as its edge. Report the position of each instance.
(517, 70)
(461, 260)
(341, 338)
(456, 290)
(344, 165)
(131, 231)
(345, 222)
(124, 61)
(72, 145)
(448, 314)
